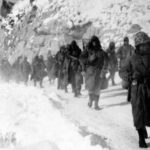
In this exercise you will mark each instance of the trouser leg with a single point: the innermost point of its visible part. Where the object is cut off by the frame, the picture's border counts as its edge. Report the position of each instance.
(78, 83)
(41, 83)
(50, 80)
(34, 82)
(142, 143)
(96, 102)
(145, 133)
(65, 83)
(112, 77)
(90, 103)
(58, 83)
(73, 84)
(78, 90)
(26, 81)
(77, 87)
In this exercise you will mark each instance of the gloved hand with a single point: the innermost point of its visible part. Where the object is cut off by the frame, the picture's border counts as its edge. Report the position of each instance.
(83, 73)
(119, 64)
(103, 73)
(92, 57)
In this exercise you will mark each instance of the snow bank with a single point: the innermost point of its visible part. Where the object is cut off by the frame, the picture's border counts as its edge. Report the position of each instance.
(68, 20)
(27, 113)
(20, 6)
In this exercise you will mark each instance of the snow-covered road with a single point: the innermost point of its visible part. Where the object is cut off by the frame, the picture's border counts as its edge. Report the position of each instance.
(49, 119)
(113, 122)
(29, 121)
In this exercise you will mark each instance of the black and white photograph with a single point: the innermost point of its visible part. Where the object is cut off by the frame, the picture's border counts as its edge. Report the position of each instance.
(74, 74)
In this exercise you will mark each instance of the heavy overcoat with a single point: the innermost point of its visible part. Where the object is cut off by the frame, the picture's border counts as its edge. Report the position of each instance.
(94, 68)
(137, 71)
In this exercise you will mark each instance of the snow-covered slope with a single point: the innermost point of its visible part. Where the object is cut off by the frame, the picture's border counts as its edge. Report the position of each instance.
(56, 22)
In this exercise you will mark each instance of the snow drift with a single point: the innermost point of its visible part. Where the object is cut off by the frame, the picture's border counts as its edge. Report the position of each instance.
(30, 116)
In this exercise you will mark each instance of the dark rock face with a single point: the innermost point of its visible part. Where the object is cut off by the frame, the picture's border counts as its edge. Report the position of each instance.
(6, 8)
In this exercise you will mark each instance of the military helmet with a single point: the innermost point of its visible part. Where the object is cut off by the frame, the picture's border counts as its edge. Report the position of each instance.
(126, 39)
(141, 38)
(112, 44)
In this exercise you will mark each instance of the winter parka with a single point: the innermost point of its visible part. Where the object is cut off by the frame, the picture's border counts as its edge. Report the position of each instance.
(94, 70)
(123, 53)
(137, 71)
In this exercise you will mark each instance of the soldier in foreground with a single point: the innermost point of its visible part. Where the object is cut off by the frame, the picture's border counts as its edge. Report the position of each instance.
(137, 71)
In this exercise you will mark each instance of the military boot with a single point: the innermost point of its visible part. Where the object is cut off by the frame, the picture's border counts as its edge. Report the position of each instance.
(142, 143)
(96, 99)
(90, 100)
(145, 133)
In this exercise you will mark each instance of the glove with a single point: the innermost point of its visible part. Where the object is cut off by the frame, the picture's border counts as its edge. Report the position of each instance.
(83, 73)
(119, 64)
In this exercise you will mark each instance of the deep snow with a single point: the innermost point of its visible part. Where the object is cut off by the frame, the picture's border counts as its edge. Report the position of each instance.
(28, 113)
(113, 122)
(32, 114)
(49, 119)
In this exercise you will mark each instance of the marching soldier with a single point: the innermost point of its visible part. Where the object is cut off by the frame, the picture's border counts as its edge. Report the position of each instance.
(123, 53)
(94, 65)
(38, 70)
(60, 60)
(26, 70)
(75, 76)
(5, 70)
(137, 71)
(16, 68)
(50, 67)
(112, 62)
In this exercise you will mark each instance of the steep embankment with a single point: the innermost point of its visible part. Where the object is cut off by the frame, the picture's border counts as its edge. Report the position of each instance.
(53, 23)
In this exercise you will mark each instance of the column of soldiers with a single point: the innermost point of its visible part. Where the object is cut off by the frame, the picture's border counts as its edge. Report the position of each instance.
(73, 66)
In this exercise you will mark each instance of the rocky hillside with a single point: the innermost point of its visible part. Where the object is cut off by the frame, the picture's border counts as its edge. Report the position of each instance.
(47, 24)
